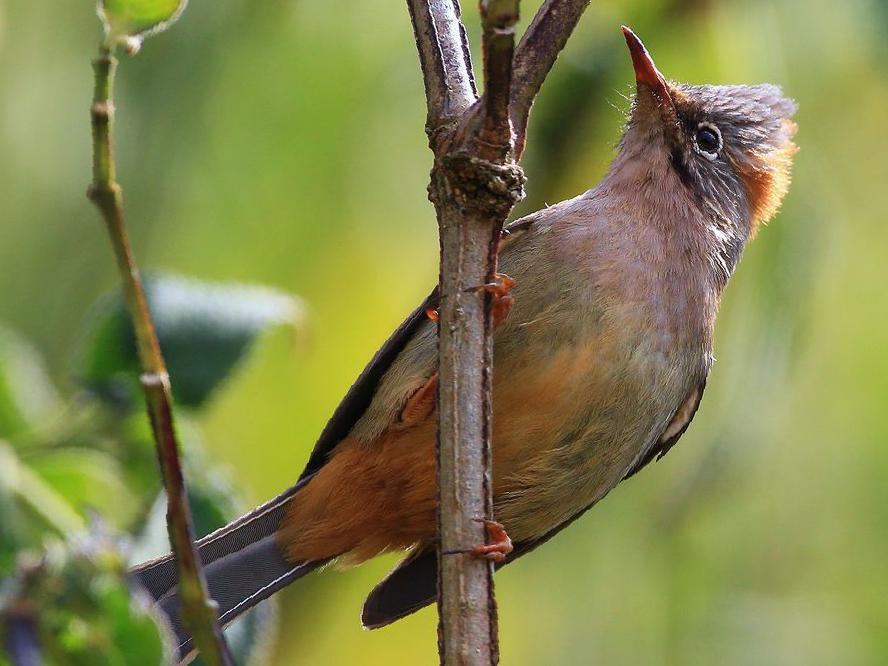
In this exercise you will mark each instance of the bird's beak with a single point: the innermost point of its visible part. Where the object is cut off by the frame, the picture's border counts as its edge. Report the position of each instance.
(646, 73)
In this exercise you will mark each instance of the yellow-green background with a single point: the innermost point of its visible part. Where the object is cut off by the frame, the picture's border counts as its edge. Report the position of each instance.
(282, 142)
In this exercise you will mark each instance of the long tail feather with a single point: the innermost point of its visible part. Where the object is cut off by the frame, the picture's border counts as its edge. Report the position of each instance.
(242, 565)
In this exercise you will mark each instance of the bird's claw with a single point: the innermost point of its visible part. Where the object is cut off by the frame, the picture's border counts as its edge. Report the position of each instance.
(500, 546)
(501, 286)
(503, 300)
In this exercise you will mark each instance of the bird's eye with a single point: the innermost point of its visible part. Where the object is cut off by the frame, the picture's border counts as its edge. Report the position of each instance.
(708, 140)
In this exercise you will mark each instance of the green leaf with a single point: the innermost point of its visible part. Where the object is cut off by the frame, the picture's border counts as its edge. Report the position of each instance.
(134, 448)
(30, 510)
(205, 330)
(27, 395)
(130, 21)
(27, 492)
(89, 480)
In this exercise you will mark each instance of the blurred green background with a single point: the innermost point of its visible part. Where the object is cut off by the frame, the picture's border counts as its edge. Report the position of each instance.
(282, 143)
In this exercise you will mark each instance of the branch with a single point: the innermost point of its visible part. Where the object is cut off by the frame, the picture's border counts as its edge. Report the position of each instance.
(445, 59)
(198, 610)
(498, 19)
(475, 183)
(537, 52)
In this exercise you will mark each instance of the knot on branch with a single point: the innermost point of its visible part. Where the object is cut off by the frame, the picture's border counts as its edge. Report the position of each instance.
(479, 186)
(155, 381)
(102, 110)
(98, 192)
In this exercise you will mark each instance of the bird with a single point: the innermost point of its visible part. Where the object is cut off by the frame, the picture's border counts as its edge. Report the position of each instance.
(603, 342)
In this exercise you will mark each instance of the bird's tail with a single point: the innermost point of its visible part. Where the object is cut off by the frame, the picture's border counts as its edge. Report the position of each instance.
(242, 565)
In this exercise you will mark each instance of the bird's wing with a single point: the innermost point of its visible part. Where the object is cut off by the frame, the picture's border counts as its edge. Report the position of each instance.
(413, 583)
(360, 395)
(676, 428)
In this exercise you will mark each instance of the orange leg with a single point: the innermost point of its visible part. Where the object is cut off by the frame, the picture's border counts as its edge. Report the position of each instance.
(500, 288)
(503, 300)
(497, 550)
(501, 543)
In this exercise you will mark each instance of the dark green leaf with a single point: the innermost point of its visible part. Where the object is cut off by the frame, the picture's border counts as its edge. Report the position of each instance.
(30, 506)
(211, 496)
(204, 330)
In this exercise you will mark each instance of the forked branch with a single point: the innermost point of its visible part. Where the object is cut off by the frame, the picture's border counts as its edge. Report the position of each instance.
(475, 183)
(445, 59)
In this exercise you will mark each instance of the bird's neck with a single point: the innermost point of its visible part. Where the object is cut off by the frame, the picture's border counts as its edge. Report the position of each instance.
(692, 234)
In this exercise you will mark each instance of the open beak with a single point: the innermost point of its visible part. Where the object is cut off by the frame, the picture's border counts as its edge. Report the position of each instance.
(646, 72)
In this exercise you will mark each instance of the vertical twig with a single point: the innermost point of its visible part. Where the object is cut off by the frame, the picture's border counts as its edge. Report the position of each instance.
(472, 211)
(475, 183)
(536, 53)
(198, 610)
(446, 62)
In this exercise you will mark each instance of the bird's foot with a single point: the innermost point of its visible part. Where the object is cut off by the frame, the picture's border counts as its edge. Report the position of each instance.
(496, 551)
(500, 546)
(500, 289)
(502, 300)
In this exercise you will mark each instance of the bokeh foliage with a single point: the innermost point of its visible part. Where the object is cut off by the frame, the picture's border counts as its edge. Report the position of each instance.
(89, 458)
(281, 143)
(87, 613)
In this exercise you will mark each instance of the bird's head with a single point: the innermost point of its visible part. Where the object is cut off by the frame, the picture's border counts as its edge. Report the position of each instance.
(730, 146)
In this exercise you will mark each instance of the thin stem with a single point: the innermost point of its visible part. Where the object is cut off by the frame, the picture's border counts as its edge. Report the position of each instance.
(475, 183)
(198, 610)
(445, 59)
(470, 233)
(536, 53)
(498, 19)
